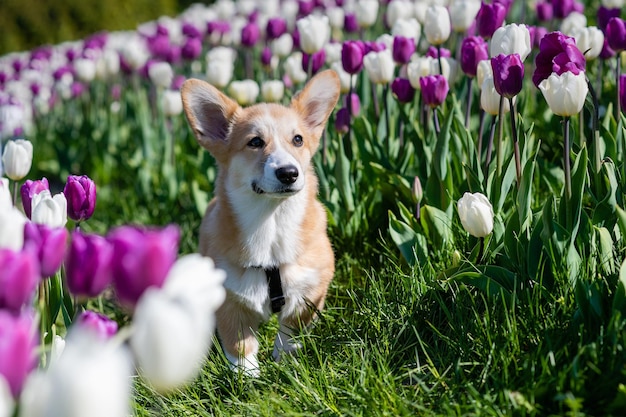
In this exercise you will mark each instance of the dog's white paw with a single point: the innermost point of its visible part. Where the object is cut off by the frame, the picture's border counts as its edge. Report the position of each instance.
(249, 365)
(284, 344)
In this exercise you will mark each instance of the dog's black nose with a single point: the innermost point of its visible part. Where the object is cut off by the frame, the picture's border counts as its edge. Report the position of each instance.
(287, 174)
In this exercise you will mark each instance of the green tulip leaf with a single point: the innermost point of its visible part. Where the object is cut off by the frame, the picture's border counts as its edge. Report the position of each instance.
(437, 225)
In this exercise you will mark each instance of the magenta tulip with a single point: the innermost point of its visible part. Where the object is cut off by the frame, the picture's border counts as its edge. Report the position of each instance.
(88, 265)
(276, 27)
(557, 53)
(18, 348)
(489, 18)
(29, 190)
(100, 325)
(352, 53)
(141, 259)
(250, 34)
(402, 49)
(473, 50)
(616, 34)
(48, 244)
(604, 15)
(508, 74)
(403, 90)
(434, 90)
(80, 192)
(19, 276)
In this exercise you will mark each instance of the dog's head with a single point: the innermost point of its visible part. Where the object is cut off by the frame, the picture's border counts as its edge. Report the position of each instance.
(265, 148)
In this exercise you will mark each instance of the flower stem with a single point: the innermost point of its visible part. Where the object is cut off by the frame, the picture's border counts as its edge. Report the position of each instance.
(14, 193)
(469, 102)
(481, 249)
(481, 127)
(500, 134)
(439, 59)
(436, 121)
(566, 167)
(386, 109)
(618, 73)
(518, 165)
(492, 133)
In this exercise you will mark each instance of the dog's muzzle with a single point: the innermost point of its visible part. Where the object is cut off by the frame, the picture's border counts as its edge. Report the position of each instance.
(287, 174)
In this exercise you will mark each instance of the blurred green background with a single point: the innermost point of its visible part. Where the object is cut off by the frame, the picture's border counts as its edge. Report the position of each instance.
(25, 24)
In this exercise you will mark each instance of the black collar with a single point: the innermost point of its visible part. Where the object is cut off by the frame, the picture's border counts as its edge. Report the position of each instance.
(277, 298)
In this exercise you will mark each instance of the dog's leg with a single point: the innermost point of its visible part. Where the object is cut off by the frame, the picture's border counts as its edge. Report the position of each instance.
(237, 328)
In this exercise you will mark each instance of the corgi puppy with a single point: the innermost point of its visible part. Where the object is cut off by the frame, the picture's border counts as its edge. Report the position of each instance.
(265, 226)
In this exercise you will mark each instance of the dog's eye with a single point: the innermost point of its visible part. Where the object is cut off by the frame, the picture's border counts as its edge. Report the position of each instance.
(256, 142)
(298, 141)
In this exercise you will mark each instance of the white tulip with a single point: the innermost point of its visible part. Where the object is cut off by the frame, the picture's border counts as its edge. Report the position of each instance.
(161, 74)
(108, 64)
(385, 39)
(366, 12)
(409, 28)
(418, 68)
(6, 201)
(590, 41)
(437, 25)
(345, 79)
(12, 117)
(476, 214)
(6, 399)
(245, 92)
(333, 52)
(463, 13)
(90, 378)
(565, 93)
(511, 39)
(314, 33)
(49, 210)
(282, 46)
(293, 68)
(573, 22)
(12, 222)
(483, 70)
(135, 52)
(449, 68)
(219, 73)
(85, 69)
(172, 103)
(173, 326)
(17, 158)
(379, 66)
(272, 91)
(221, 53)
(490, 98)
(336, 17)
(398, 9)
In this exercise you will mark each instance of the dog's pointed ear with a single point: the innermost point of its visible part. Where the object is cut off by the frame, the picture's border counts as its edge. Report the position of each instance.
(208, 111)
(317, 100)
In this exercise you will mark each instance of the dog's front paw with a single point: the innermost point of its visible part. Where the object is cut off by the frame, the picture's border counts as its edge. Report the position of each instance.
(248, 365)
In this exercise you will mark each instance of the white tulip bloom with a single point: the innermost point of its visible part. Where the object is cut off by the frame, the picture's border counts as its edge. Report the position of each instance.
(6, 201)
(366, 12)
(379, 66)
(245, 92)
(173, 326)
(6, 399)
(573, 22)
(565, 93)
(314, 33)
(463, 13)
(12, 222)
(85, 69)
(345, 79)
(272, 91)
(483, 70)
(418, 68)
(172, 103)
(333, 52)
(48, 210)
(90, 378)
(476, 214)
(409, 28)
(293, 68)
(108, 64)
(511, 39)
(219, 73)
(590, 41)
(385, 39)
(17, 158)
(282, 46)
(336, 17)
(449, 68)
(437, 25)
(490, 98)
(398, 9)
(135, 52)
(161, 74)
(12, 117)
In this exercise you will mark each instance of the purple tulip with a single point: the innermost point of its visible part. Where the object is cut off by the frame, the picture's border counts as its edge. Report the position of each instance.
(616, 34)
(434, 52)
(266, 56)
(350, 23)
(544, 10)
(622, 91)
(88, 264)
(141, 259)
(316, 61)
(29, 190)
(191, 49)
(342, 120)
(77, 89)
(557, 53)
(191, 31)
(434, 90)
(177, 82)
(305, 8)
(402, 49)
(100, 325)
(352, 53)
(218, 27)
(489, 18)
(276, 27)
(562, 8)
(604, 15)
(250, 34)
(80, 192)
(473, 50)
(159, 46)
(354, 103)
(403, 90)
(18, 348)
(508, 74)
(48, 244)
(536, 34)
(607, 52)
(19, 276)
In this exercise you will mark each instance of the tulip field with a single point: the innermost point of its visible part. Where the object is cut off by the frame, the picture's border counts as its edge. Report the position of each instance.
(474, 176)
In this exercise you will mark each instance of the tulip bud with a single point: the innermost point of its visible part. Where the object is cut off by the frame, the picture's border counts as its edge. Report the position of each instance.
(379, 66)
(29, 190)
(276, 27)
(48, 210)
(85, 69)
(80, 193)
(342, 120)
(192, 48)
(489, 18)
(172, 103)
(88, 265)
(18, 354)
(17, 158)
(161, 74)
(463, 14)
(272, 91)
(615, 34)
(403, 90)
(590, 41)
(141, 259)
(437, 25)
(605, 14)
(434, 90)
(511, 39)
(100, 325)
(352, 53)
(403, 49)
(508, 74)
(250, 34)
(490, 98)
(476, 214)
(314, 33)
(293, 68)
(473, 50)
(19, 276)
(366, 13)
(245, 92)
(565, 93)
(313, 62)
(544, 11)
(47, 244)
